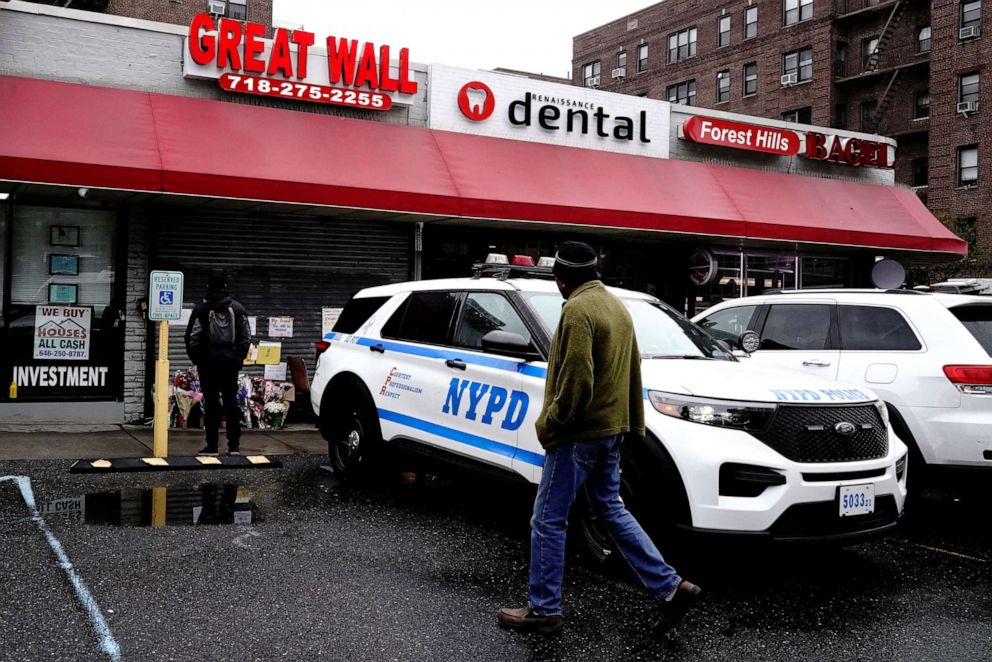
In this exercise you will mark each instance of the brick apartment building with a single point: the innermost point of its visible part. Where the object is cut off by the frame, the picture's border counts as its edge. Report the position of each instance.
(909, 69)
(177, 12)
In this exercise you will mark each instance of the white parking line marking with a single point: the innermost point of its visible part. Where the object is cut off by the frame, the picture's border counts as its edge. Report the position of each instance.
(239, 541)
(107, 641)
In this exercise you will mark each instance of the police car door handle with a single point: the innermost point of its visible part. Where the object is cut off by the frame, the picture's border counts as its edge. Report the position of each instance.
(455, 363)
(377, 348)
(817, 363)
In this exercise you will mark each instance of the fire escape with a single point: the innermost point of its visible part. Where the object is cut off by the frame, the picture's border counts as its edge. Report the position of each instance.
(896, 10)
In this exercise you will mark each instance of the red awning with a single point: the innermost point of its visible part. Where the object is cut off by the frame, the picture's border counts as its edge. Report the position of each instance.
(60, 133)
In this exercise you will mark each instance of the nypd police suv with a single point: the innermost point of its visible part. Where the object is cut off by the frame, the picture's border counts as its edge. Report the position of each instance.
(456, 368)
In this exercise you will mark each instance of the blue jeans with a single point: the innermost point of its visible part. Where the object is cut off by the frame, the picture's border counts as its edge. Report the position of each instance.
(595, 462)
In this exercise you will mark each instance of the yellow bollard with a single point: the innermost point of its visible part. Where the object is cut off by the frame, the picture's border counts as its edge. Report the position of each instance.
(161, 429)
(158, 507)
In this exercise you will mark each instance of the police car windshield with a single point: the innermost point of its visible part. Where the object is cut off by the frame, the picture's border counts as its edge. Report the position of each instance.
(661, 332)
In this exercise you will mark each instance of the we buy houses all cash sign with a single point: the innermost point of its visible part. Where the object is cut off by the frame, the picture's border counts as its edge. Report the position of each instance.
(62, 332)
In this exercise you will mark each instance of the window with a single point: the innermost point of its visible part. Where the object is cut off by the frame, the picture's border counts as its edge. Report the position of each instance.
(683, 93)
(968, 165)
(840, 116)
(872, 3)
(723, 86)
(357, 312)
(798, 10)
(797, 326)
(622, 60)
(868, 115)
(483, 312)
(921, 172)
(977, 319)
(799, 63)
(750, 79)
(971, 14)
(750, 22)
(965, 228)
(840, 59)
(729, 324)
(968, 88)
(869, 52)
(425, 317)
(590, 74)
(237, 9)
(872, 328)
(642, 57)
(921, 105)
(682, 45)
(723, 31)
(923, 39)
(800, 115)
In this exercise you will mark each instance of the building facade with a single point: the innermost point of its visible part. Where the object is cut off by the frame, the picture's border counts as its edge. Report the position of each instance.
(171, 159)
(862, 65)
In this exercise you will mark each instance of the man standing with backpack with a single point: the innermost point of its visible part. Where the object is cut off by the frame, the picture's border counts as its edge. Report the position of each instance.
(217, 340)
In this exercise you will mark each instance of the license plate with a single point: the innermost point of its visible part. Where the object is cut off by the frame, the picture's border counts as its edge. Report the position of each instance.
(857, 500)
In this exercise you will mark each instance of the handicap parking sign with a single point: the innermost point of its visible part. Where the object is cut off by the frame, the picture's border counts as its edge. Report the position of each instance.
(165, 295)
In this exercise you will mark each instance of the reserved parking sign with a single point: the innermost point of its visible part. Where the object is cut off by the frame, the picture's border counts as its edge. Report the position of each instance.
(165, 296)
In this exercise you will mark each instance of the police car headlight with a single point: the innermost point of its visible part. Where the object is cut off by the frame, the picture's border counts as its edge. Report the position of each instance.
(883, 411)
(750, 416)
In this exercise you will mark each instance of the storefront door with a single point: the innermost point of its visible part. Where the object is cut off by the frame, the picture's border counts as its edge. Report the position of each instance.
(63, 329)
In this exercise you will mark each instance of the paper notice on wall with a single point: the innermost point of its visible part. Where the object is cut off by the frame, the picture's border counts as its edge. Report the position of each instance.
(280, 327)
(252, 357)
(62, 333)
(276, 372)
(183, 320)
(269, 353)
(328, 318)
(252, 323)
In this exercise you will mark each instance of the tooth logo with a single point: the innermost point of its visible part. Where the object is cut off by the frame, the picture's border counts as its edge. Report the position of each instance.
(476, 101)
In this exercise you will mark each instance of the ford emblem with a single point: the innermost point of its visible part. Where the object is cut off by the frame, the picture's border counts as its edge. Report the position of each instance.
(845, 428)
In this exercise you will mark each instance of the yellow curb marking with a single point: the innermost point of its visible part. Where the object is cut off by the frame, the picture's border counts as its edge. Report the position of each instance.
(208, 460)
(155, 461)
(950, 553)
(258, 459)
(101, 464)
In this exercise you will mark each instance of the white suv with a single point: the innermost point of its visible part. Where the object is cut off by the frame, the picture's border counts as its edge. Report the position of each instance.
(456, 368)
(926, 355)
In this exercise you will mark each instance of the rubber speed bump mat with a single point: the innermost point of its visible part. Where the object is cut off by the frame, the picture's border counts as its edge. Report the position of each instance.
(186, 463)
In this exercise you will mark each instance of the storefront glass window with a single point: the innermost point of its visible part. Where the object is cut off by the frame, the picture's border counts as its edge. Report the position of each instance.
(822, 272)
(766, 272)
(726, 285)
(3, 250)
(63, 256)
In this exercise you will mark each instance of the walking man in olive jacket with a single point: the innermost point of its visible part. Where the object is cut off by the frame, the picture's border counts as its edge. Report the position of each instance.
(592, 398)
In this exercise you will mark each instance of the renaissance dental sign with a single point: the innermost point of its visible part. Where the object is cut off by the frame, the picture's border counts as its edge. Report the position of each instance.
(812, 145)
(291, 66)
(519, 108)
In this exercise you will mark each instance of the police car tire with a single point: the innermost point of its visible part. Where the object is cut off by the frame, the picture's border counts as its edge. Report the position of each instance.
(351, 414)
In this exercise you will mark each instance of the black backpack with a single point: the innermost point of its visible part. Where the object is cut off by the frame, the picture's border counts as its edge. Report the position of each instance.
(221, 325)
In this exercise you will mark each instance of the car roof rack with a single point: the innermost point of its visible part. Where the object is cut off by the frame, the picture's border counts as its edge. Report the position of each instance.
(846, 290)
(505, 271)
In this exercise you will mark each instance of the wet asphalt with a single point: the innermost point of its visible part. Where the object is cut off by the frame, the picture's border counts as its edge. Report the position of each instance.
(378, 570)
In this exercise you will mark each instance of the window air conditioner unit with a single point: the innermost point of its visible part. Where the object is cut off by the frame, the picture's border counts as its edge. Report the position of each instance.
(966, 107)
(789, 79)
(970, 32)
(593, 82)
(620, 72)
(217, 7)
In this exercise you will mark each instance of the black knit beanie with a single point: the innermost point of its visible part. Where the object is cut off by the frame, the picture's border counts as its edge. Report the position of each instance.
(575, 263)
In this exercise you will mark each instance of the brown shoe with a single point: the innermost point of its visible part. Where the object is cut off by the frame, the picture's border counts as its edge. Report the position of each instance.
(685, 598)
(526, 620)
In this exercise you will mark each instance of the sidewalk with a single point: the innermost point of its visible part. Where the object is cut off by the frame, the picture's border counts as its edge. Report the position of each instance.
(78, 442)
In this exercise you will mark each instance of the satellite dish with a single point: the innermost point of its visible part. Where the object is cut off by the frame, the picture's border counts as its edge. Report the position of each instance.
(888, 274)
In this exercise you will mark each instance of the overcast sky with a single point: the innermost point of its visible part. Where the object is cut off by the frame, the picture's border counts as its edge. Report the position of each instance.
(531, 35)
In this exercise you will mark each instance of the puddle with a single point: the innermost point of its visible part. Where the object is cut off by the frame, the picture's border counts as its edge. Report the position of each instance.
(210, 503)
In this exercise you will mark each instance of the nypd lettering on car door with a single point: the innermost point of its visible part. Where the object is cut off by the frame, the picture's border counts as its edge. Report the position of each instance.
(513, 404)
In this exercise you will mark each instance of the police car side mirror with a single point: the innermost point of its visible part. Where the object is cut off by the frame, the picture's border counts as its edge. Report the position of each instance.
(509, 344)
(749, 341)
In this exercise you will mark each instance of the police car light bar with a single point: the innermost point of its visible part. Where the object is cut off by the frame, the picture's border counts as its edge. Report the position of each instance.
(496, 258)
